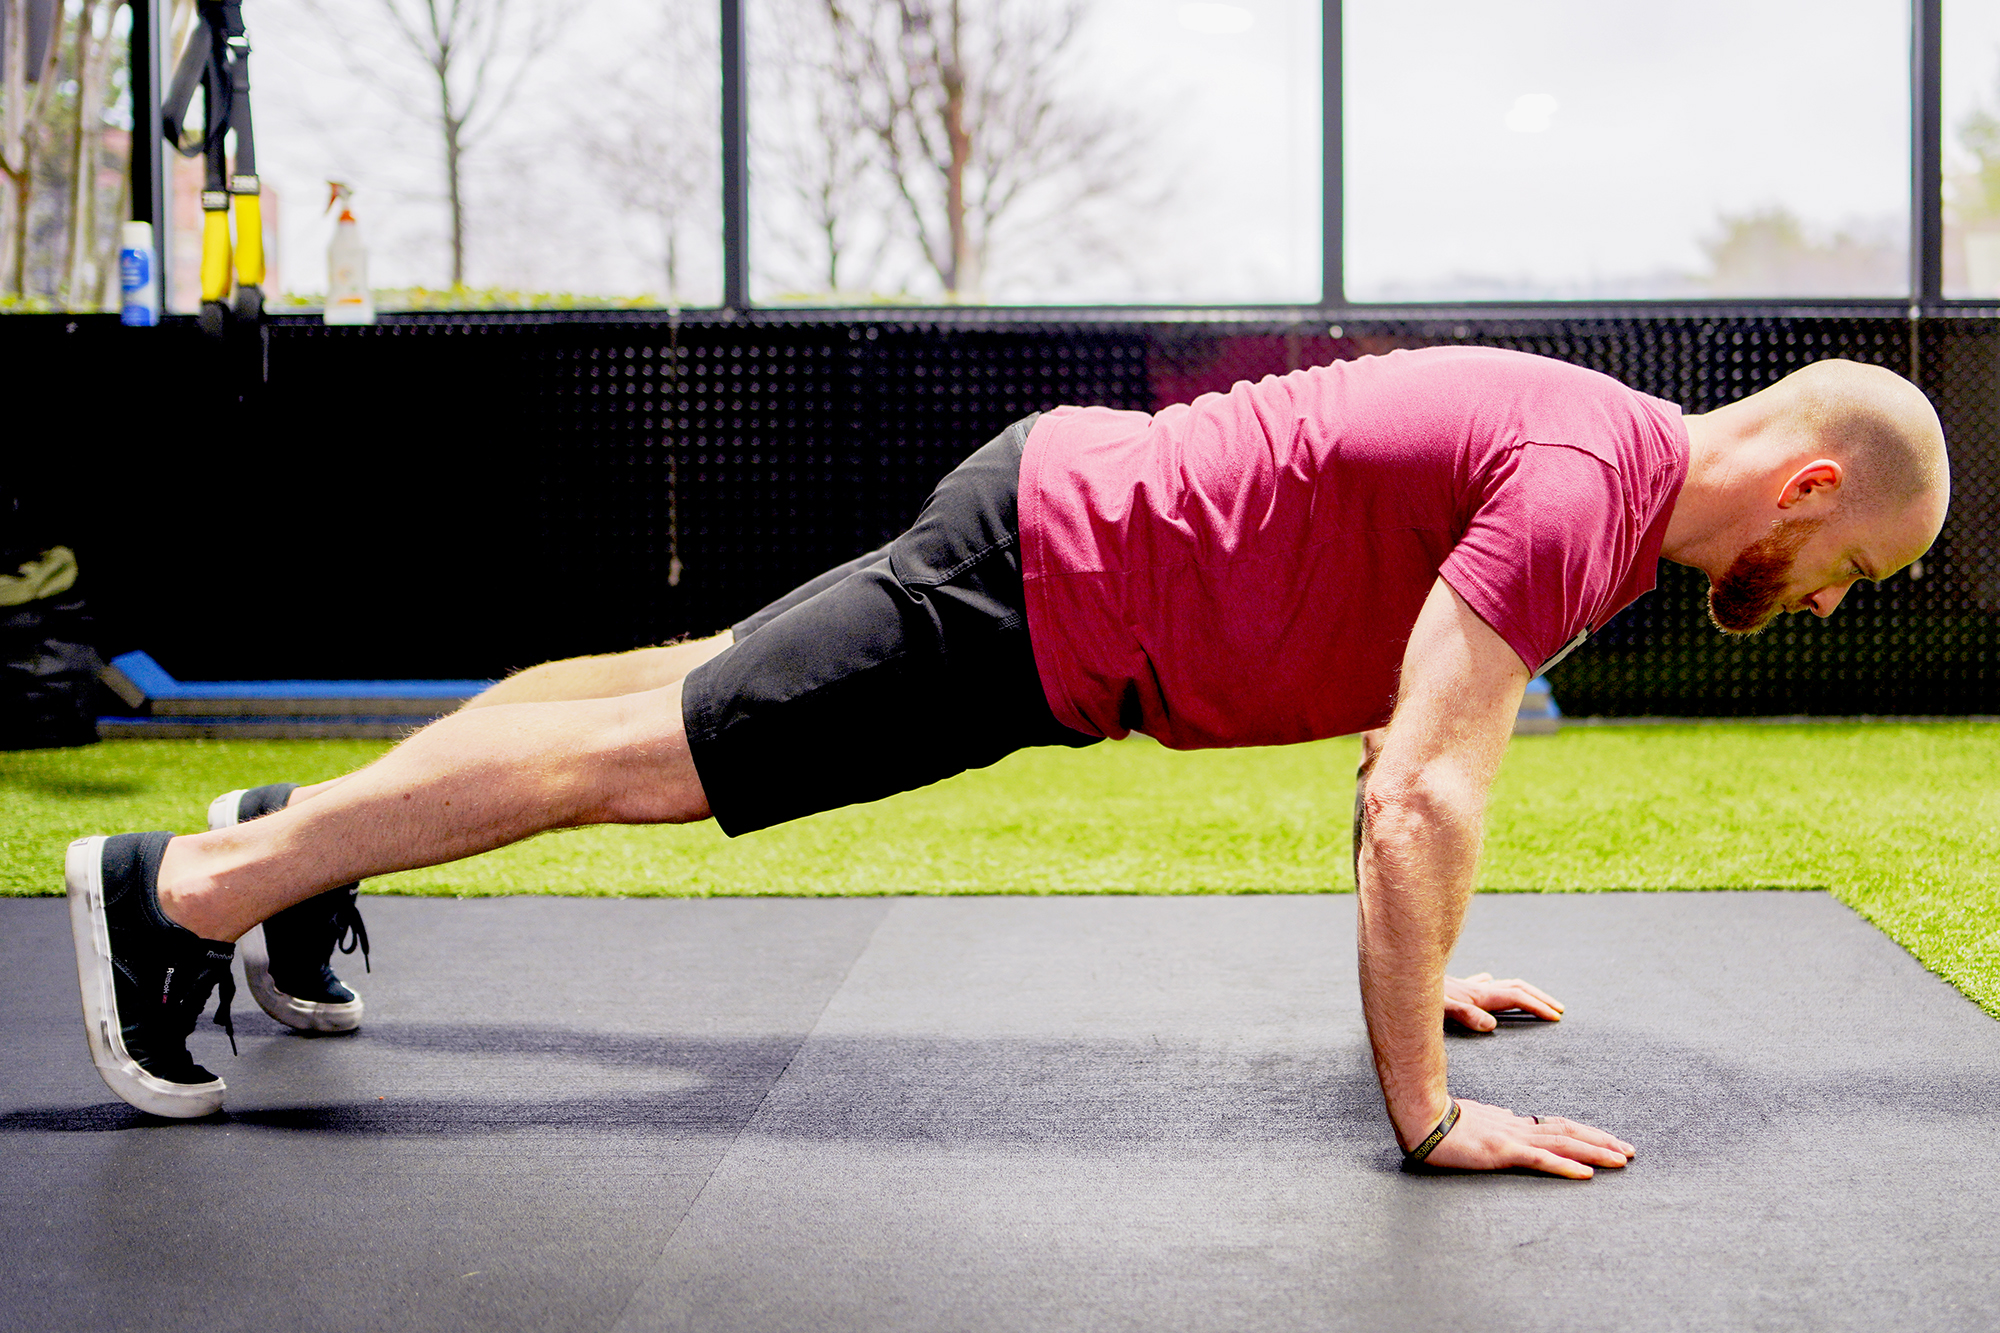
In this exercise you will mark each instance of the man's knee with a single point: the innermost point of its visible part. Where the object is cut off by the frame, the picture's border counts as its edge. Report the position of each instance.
(646, 767)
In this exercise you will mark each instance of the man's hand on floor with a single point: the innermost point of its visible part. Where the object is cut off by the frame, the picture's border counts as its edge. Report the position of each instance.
(1472, 1001)
(1490, 1138)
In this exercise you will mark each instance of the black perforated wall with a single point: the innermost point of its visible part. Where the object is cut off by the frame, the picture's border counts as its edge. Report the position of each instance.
(459, 495)
(688, 475)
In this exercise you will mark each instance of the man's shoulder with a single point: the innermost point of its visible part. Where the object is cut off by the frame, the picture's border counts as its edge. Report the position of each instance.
(1483, 370)
(1458, 359)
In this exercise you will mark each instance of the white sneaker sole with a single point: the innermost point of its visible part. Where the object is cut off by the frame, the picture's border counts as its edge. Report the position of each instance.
(83, 875)
(299, 1015)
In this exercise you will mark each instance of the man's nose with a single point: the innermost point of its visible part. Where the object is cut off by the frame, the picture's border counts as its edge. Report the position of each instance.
(1827, 599)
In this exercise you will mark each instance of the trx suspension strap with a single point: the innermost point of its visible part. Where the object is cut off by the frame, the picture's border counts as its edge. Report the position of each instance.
(217, 63)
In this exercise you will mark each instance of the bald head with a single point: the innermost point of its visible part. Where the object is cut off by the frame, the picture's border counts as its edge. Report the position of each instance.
(1834, 474)
(1877, 425)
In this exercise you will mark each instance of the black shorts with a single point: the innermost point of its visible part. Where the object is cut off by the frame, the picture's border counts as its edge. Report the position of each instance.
(896, 670)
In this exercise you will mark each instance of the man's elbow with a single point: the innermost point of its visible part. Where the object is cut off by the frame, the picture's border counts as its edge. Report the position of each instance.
(1407, 811)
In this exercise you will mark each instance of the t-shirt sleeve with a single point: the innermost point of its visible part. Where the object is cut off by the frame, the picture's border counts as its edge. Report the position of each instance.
(1544, 550)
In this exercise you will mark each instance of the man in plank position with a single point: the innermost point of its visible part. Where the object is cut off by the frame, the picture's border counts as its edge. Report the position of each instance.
(1391, 546)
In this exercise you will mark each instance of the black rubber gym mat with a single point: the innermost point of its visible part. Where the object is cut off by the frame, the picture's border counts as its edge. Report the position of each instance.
(1015, 1113)
(540, 1087)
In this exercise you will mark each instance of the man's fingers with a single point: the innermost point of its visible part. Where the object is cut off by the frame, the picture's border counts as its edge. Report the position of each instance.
(1470, 1015)
(1587, 1134)
(1541, 1159)
(1522, 1000)
(1495, 999)
(1539, 994)
(1482, 990)
(1578, 1141)
(1580, 1150)
(1520, 995)
(1537, 1005)
(1524, 996)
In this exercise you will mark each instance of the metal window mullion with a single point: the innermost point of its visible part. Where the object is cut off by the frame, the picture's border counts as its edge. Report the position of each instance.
(1333, 216)
(1926, 151)
(735, 160)
(148, 163)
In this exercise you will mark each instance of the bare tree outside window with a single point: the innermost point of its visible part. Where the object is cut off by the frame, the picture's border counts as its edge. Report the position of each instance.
(63, 155)
(975, 121)
(649, 131)
(28, 61)
(95, 43)
(812, 136)
(476, 52)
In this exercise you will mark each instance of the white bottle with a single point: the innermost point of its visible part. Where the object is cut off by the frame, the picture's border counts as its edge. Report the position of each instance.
(141, 304)
(348, 300)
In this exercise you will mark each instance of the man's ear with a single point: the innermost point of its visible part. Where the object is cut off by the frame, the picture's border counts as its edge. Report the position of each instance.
(1822, 476)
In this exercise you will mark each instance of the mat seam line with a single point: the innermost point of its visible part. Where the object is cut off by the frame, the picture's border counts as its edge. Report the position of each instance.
(833, 993)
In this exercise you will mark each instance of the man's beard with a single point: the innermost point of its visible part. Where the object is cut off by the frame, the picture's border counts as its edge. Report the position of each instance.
(1745, 599)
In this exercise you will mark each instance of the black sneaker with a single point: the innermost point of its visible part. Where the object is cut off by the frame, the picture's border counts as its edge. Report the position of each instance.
(144, 979)
(287, 963)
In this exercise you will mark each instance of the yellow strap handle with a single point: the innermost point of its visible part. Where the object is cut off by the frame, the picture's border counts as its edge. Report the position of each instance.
(249, 240)
(215, 252)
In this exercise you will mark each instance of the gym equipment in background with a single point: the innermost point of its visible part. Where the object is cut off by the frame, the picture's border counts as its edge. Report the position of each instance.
(216, 62)
(273, 709)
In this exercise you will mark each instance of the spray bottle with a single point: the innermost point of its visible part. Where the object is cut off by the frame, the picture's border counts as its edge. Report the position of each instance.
(348, 300)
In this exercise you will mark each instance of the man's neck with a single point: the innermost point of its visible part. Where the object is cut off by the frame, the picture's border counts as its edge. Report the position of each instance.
(1702, 531)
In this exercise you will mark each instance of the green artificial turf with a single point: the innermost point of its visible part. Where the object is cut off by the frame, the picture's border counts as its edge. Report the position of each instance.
(1900, 821)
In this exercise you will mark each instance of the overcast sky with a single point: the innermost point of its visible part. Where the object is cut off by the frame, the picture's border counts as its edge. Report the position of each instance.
(1573, 141)
(1573, 144)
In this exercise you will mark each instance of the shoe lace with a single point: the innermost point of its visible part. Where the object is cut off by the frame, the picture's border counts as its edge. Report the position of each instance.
(352, 934)
(225, 995)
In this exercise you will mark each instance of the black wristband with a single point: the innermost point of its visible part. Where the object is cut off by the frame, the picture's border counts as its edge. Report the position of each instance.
(1416, 1155)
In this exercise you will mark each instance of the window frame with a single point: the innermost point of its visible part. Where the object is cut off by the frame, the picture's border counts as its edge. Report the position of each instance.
(1926, 279)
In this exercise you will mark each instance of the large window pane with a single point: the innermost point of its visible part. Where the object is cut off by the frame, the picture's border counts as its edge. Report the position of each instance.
(65, 122)
(587, 164)
(1532, 149)
(1035, 151)
(1972, 149)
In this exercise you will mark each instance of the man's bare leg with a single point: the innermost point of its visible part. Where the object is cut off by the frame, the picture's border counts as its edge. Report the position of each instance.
(605, 676)
(475, 780)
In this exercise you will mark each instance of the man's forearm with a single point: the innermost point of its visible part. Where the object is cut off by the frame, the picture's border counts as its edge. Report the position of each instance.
(1425, 783)
(1419, 850)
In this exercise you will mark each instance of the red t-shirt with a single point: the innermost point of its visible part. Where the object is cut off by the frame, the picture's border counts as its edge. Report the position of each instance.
(1246, 569)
